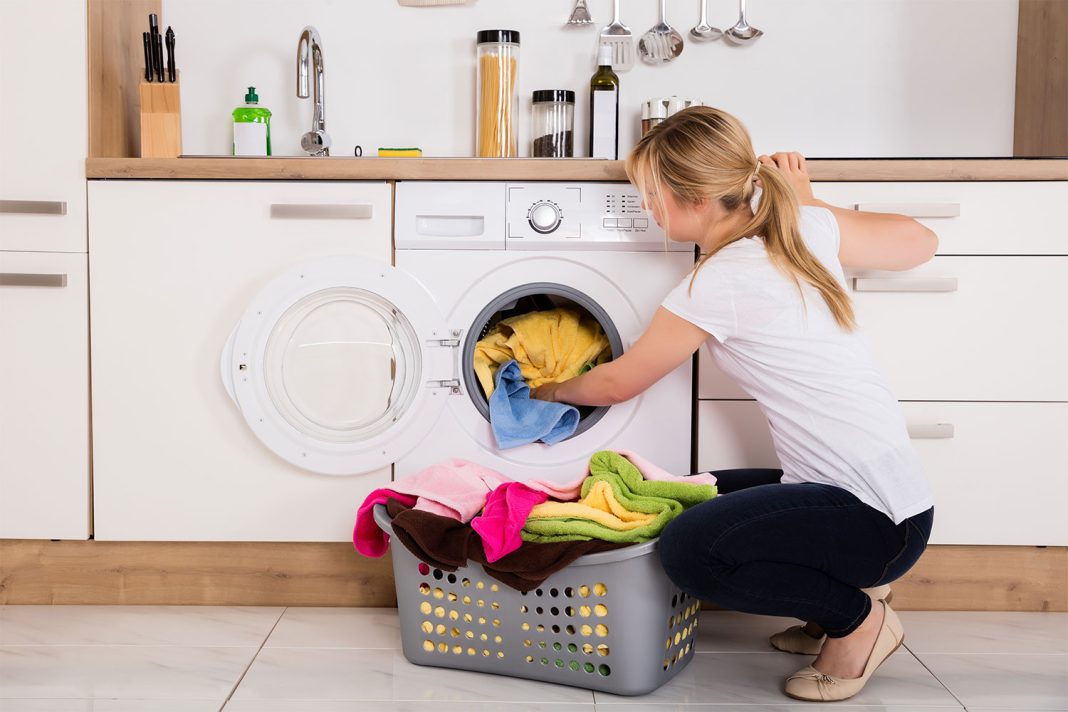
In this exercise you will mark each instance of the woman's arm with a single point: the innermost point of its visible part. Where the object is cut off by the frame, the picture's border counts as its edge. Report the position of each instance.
(869, 240)
(668, 342)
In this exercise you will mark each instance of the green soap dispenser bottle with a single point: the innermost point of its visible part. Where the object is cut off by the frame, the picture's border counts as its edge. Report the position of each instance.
(252, 127)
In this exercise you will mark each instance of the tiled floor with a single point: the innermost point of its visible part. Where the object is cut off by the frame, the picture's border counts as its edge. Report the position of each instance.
(198, 659)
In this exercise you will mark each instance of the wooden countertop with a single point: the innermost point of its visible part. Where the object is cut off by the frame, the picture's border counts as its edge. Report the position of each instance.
(532, 169)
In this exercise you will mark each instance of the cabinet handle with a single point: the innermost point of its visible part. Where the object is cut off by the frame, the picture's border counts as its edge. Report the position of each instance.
(33, 207)
(901, 284)
(17, 279)
(323, 211)
(931, 431)
(913, 210)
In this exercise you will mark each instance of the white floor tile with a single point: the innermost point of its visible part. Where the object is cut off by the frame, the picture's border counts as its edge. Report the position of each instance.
(337, 628)
(984, 681)
(383, 675)
(758, 678)
(797, 706)
(109, 705)
(136, 625)
(982, 632)
(733, 632)
(364, 706)
(100, 671)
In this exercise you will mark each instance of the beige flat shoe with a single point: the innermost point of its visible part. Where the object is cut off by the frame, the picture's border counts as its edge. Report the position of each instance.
(811, 685)
(795, 640)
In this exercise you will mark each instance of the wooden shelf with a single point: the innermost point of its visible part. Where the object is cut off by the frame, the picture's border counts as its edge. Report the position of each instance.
(534, 169)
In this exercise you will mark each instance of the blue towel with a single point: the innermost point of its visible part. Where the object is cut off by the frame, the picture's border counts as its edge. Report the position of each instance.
(517, 419)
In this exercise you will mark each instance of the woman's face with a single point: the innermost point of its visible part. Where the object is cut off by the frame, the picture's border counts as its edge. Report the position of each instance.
(682, 221)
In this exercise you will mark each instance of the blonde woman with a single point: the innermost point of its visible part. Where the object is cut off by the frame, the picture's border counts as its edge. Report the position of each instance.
(851, 509)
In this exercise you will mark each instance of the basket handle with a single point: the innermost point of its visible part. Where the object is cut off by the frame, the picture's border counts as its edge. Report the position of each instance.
(382, 519)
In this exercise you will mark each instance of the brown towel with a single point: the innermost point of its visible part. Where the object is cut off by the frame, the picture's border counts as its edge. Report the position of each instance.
(448, 544)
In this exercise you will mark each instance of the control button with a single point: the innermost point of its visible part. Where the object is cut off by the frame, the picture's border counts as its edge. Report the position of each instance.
(624, 222)
(609, 222)
(544, 217)
(641, 223)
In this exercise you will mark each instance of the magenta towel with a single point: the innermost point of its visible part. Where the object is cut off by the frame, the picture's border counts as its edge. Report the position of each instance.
(368, 539)
(654, 472)
(507, 509)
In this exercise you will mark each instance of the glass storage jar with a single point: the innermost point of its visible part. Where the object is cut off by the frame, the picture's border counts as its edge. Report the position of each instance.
(498, 95)
(553, 123)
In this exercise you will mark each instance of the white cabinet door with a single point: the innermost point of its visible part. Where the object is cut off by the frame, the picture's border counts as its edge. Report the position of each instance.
(44, 396)
(174, 267)
(43, 125)
(973, 218)
(999, 471)
(997, 334)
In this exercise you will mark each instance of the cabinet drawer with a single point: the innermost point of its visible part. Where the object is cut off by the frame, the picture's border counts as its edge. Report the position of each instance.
(44, 396)
(973, 218)
(999, 471)
(999, 335)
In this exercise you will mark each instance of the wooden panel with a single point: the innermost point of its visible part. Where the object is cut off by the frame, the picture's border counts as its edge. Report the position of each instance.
(116, 66)
(974, 578)
(1042, 79)
(343, 168)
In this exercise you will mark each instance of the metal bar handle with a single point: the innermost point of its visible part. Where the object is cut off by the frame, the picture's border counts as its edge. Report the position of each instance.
(913, 210)
(18, 279)
(321, 211)
(902, 284)
(33, 207)
(931, 431)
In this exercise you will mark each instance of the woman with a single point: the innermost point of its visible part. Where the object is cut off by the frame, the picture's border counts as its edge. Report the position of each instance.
(853, 510)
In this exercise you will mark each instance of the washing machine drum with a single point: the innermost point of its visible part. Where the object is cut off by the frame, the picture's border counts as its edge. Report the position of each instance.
(336, 364)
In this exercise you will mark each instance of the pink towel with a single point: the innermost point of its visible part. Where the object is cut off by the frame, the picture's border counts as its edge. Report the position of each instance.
(505, 514)
(368, 539)
(653, 472)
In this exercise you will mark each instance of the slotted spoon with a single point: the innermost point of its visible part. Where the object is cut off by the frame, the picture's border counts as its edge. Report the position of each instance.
(619, 37)
(662, 43)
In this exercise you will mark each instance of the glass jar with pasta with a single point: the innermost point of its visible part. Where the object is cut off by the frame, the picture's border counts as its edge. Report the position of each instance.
(498, 94)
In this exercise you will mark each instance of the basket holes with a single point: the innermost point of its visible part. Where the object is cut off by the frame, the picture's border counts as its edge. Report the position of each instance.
(572, 648)
(525, 626)
(424, 588)
(666, 663)
(570, 629)
(425, 608)
(427, 627)
(438, 574)
(586, 630)
(494, 605)
(556, 629)
(671, 622)
(585, 611)
(604, 670)
(468, 618)
(465, 582)
(439, 611)
(678, 637)
(530, 658)
(455, 632)
(584, 591)
(587, 648)
(500, 655)
(480, 585)
(686, 649)
(569, 611)
(454, 615)
(471, 651)
(467, 600)
(682, 596)
(674, 601)
(569, 592)
(553, 592)
(498, 639)
(537, 592)
(439, 594)
(443, 648)
(528, 644)
(483, 637)
(686, 614)
(423, 569)
(599, 589)
(485, 653)
(573, 665)
(451, 597)
(480, 603)
(667, 645)
(588, 667)
(428, 646)
(602, 630)
(540, 628)
(494, 587)
(539, 610)
(523, 609)
(545, 661)
(559, 663)
(557, 646)
(555, 611)
(600, 610)
(440, 629)
(451, 578)
(496, 622)
(470, 634)
(674, 658)
(541, 644)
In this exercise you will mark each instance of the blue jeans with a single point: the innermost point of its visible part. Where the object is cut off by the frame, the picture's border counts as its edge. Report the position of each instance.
(801, 550)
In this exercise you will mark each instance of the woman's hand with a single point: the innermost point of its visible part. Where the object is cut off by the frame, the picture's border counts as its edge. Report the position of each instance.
(546, 392)
(792, 165)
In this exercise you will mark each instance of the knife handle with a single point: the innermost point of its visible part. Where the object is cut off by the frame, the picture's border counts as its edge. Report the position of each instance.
(145, 36)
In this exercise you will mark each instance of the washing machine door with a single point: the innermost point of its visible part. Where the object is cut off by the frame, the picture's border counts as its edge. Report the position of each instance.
(340, 365)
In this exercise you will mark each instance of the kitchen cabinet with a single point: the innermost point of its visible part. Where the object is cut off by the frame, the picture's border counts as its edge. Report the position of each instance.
(44, 396)
(43, 126)
(174, 266)
(974, 343)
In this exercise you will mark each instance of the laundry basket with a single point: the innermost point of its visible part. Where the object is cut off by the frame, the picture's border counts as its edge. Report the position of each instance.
(610, 621)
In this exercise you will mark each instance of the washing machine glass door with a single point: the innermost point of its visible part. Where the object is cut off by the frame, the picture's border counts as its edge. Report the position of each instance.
(337, 365)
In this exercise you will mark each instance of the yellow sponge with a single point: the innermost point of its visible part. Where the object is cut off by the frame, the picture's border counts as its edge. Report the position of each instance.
(384, 152)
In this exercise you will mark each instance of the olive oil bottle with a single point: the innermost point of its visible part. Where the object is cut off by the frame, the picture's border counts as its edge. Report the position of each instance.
(604, 108)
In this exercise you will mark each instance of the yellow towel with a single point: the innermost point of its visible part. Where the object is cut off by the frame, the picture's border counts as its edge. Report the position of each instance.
(550, 346)
(599, 505)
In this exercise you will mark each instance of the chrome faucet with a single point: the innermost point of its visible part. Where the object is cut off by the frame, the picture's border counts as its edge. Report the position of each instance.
(317, 141)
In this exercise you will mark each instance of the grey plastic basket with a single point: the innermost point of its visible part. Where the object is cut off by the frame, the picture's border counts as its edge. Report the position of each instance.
(611, 621)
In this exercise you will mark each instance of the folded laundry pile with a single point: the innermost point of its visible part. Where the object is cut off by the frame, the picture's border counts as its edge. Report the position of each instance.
(457, 512)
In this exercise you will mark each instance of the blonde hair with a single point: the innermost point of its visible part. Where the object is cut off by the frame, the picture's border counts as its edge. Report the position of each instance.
(702, 153)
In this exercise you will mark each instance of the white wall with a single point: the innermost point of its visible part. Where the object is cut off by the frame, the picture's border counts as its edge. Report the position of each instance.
(830, 78)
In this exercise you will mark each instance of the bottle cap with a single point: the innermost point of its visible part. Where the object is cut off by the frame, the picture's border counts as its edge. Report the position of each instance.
(498, 36)
(555, 95)
(604, 55)
(251, 97)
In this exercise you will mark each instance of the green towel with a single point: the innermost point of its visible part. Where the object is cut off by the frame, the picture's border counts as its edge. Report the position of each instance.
(664, 499)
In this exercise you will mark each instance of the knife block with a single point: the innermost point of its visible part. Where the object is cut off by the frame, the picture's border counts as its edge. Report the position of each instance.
(161, 119)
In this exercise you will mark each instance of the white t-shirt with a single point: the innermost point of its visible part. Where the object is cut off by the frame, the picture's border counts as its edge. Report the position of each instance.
(833, 419)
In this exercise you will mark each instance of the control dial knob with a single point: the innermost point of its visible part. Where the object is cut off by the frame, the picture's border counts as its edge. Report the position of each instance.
(544, 216)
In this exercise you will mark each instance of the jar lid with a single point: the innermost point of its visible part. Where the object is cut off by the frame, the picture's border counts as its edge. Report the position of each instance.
(498, 36)
(555, 95)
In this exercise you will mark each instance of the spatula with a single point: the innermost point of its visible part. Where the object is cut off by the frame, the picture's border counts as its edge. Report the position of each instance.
(619, 37)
